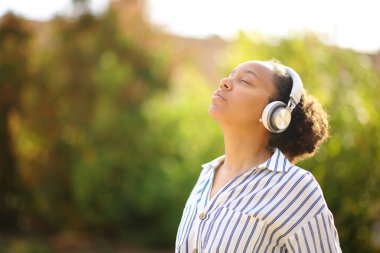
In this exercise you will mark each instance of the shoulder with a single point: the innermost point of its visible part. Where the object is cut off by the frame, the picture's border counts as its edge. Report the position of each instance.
(302, 203)
(299, 194)
(307, 196)
(306, 176)
(307, 185)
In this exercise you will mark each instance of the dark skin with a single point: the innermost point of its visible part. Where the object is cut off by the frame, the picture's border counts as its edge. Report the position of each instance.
(237, 107)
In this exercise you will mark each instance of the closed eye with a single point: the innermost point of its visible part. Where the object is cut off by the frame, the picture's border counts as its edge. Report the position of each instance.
(244, 81)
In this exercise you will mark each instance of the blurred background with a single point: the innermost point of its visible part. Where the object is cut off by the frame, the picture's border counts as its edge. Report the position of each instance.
(104, 124)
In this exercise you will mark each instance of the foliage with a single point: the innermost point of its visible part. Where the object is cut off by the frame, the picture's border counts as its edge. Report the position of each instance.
(108, 128)
(14, 52)
(81, 138)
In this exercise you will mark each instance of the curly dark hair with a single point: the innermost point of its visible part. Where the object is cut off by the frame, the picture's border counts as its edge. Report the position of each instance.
(309, 125)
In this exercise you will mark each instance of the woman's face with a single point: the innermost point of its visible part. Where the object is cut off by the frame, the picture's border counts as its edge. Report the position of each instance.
(242, 96)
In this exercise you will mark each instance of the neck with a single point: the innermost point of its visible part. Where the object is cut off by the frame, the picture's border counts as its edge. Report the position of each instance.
(244, 149)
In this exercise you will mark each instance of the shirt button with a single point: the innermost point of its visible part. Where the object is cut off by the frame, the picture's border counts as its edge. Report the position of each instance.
(202, 216)
(195, 250)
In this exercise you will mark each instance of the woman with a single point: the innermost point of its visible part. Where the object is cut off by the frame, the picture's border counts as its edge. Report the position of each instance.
(253, 198)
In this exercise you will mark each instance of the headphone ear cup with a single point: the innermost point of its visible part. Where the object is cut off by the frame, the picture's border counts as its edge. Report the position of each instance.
(276, 117)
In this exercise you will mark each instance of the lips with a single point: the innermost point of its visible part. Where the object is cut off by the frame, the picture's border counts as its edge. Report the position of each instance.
(218, 93)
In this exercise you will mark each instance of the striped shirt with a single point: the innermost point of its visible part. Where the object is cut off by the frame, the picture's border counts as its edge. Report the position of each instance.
(274, 207)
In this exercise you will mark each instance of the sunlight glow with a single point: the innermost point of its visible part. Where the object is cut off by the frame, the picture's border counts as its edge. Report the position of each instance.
(352, 24)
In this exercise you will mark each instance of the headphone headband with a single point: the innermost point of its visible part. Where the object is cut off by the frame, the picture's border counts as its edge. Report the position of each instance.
(297, 86)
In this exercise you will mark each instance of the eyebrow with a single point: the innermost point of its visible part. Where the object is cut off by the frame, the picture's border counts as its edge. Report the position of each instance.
(251, 72)
(247, 71)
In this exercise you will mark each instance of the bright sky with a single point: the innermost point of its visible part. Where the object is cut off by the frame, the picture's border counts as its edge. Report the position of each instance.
(353, 24)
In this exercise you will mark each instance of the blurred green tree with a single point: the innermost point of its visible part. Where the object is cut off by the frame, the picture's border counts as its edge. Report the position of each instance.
(82, 140)
(14, 73)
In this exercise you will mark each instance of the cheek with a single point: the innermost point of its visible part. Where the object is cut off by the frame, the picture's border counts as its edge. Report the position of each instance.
(250, 108)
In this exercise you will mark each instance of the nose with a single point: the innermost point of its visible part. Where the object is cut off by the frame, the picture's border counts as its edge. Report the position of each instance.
(225, 84)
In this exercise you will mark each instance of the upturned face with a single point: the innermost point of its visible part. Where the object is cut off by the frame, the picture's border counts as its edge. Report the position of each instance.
(242, 96)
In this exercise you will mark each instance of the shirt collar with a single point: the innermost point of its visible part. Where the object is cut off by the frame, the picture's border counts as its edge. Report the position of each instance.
(214, 163)
(277, 162)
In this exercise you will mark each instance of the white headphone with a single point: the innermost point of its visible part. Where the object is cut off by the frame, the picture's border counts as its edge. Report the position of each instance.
(277, 115)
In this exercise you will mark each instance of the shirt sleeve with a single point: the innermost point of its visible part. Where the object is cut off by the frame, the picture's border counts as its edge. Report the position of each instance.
(317, 235)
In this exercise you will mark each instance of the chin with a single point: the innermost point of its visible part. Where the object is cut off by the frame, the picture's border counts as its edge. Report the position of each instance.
(215, 113)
